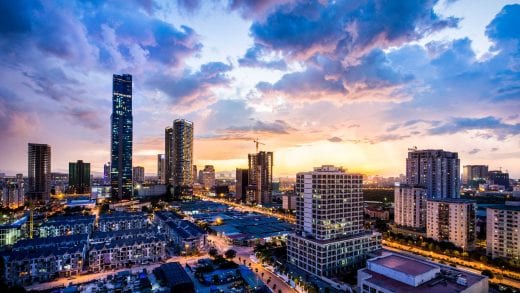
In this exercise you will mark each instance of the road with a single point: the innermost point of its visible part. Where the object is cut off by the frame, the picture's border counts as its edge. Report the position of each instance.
(267, 212)
(471, 266)
(243, 257)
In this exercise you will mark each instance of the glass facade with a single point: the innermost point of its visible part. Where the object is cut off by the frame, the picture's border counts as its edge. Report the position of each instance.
(121, 133)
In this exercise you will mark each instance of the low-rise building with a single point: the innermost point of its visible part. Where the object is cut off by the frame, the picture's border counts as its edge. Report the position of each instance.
(66, 225)
(452, 220)
(10, 233)
(185, 235)
(99, 236)
(377, 213)
(126, 252)
(175, 277)
(398, 273)
(503, 232)
(122, 220)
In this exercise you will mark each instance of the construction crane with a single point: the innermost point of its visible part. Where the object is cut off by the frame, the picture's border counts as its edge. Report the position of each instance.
(257, 142)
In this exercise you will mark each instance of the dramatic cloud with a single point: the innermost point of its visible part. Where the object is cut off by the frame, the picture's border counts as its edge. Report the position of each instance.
(254, 58)
(497, 126)
(276, 127)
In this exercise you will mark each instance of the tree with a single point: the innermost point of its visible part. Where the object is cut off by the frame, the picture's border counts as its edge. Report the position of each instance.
(483, 259)
(216, 279)
(488, 273)
(230, 254)
(213, 252)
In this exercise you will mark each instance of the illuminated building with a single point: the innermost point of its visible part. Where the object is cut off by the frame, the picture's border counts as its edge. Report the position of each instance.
(79, 177)
(39, 172)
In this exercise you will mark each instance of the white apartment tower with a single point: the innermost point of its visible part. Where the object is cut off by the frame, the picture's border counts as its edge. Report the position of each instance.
(452, 220)
(410, 206)
(329, 222)
(503, 232)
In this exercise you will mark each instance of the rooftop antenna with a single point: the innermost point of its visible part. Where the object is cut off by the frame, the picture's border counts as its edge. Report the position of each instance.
(257, 142)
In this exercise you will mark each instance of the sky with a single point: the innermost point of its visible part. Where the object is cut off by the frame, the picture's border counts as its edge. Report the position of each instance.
(349, 83)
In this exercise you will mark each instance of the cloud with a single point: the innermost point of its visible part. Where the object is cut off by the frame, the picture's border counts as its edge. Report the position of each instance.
(254, 58)
(474, 151)
(276, 127)
(354, 126)
(495, 125)
(335, 139)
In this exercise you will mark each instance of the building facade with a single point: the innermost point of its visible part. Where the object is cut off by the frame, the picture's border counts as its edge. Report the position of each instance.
(181, 157)
(207, 178)
(168, 154)
(452, 220)
(138, 175)
(437, 171)
(106, 173)
(79, 178)
(39, 172)
(498, 177)
(473, 175)
(161, 168)
(12, 193)
(503, 233)
(241, 184)
(329, 233)
(260, 176)
(410, 206)
(122, 221)
(121, 137)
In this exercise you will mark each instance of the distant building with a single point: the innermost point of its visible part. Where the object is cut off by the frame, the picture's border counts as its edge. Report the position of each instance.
(138, 174)
(168, 154)
(473, 175)
(59, 182)
(12, 193)
(502, 232)
(39, 172)
(122, 137)
(452, 220)
(498, 177)
(289, 201)
(260, 178)
(106, 173)
(207, 178)
(79, 177)
(241, 184)
(410, 206)
(398, 273)
(437, 171)
(161, 169)
(181, 156)
(377, 213)
(329, 222)
(196, 179)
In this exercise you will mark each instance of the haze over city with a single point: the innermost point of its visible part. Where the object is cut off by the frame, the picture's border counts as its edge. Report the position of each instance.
(352, 84)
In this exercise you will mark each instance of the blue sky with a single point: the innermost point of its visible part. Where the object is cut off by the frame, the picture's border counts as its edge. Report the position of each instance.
(352, 83)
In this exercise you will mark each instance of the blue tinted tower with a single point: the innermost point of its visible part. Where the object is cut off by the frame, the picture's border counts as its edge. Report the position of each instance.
(121, 142)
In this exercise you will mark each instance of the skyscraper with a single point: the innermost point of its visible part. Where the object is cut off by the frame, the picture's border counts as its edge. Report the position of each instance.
(208, 177)
(472, 175)
(241, 185)
(260, 177)
(329, 222)
(121, 148)
(168, 154)
(437, 171)
(79, 177)
(39, 172)
(182, 157)
(106, 173)
(161, 168)
(410, 206)
(138, 174)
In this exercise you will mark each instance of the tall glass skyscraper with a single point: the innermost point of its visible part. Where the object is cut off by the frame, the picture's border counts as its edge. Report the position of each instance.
(79, 177)
(39, 171)
(121, 143)
(182, 157)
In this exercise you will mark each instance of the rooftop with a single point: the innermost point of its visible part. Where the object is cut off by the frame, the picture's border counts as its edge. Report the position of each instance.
(403, 264)
(506, 207)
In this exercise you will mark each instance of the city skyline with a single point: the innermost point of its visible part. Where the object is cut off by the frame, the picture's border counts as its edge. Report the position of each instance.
(441, 78)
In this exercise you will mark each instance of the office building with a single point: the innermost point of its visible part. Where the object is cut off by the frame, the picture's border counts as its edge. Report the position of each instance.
(436, 170)
(503, 232)
(241, 184)
(329, 222)
(138, 174)
(452, 220)
(260, 178)
(182, 157)
(106, 173)
(393, 272)
(473, 175)
(410, 206)
(161, 168)
(168, 154)
(122, 137)
(39, 172)
(79, 177)
(207, 178)
(498, 177)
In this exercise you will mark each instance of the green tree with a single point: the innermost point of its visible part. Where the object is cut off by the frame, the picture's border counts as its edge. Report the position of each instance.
(213, 252)
(488, 273)
(230, 253)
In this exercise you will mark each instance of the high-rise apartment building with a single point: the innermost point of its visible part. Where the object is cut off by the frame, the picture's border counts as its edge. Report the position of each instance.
(329, 232)
(79, 177)
(452, 220)
(437, 171)
(39, 172)
(182, 157)
(168, 154)
(195, 177)
(260, 177)
(208, 177)
(503, 232)
(499, 178)
(472, 175)
(161, 168)
(410, 206)
(138, 174)
(241, 184)
(12, 193)
(106, 173)
(122, 136)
